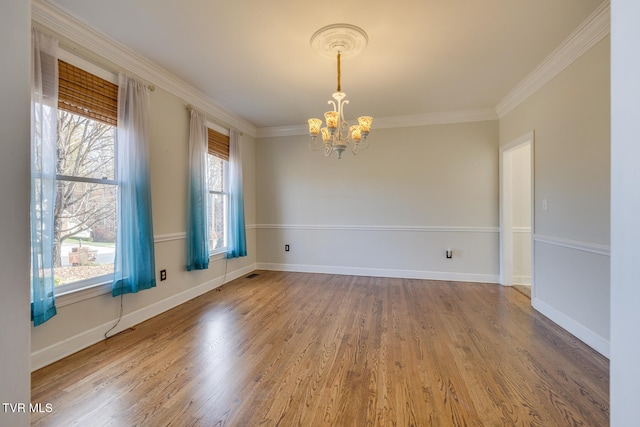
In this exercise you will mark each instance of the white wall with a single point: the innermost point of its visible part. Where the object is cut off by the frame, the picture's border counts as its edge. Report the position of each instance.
(15, 51)
(625, 217)
(393, 210)
(83, 323)
(570, 117)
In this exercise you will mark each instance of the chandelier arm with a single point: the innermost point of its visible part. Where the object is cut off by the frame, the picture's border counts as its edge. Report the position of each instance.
(343, 134)
(342, 104)
(328, 149)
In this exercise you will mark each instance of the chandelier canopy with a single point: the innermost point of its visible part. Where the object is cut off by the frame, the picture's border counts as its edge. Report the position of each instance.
(339, 40)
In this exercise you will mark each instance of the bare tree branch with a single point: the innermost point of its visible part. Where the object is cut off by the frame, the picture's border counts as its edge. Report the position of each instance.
(86, 149)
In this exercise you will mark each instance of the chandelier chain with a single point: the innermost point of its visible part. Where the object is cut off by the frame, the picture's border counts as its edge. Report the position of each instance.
(338, 73)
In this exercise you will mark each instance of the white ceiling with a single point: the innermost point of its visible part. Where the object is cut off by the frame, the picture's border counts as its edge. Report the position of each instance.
(253, 57)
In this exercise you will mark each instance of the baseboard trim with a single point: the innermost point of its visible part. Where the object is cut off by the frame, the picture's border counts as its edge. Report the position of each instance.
(522, 280)
(59, 350)
(382, 272)
(584, 334)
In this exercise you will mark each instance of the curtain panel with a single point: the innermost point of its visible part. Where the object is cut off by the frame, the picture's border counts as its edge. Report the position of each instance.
(197, 203)
(237, 243)
(134, 268)
(44, 133)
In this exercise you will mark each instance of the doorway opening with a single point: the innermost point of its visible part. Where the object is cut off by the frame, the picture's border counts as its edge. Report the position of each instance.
(517, 214)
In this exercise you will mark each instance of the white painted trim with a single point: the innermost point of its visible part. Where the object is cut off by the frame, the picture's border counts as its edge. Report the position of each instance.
(220, 129)
(69, 57)
(584, 334)
(506, 206)
(522, 139)
(584, 37)
(410, 228)
(592, 30)
(95, 43)
(381, 272)
(521, 229)
(85, 339)
(522, 280)
(78, 295)
(594, 248)
(98, 289)
(463, 116)
(158, 238)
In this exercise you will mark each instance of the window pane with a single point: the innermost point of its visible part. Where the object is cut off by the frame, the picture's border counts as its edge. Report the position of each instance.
(84, 230)
(217, 207)
(215, 173)
(85, 147)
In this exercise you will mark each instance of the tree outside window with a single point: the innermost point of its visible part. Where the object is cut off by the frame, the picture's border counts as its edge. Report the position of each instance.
(85, 210)
(218, 202)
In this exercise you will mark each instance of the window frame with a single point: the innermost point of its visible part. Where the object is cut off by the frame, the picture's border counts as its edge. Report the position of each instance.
(225, 193)
(97, 285)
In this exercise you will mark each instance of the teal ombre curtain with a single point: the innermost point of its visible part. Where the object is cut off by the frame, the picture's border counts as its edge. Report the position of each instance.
(134, 268)
(197, 203)
(237, 242)
(44, 134)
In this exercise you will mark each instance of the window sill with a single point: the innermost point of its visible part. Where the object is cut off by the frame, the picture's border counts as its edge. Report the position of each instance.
(73, 296)
(81, 294)
(218, 254)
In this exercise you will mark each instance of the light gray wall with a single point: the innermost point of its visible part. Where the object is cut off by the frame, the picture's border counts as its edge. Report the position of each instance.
(393, 210)
(15, 51)
(570, 118)
(625, 218)
(82, 323)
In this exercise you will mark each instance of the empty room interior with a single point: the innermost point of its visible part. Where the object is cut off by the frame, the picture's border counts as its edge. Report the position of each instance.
(448, 263)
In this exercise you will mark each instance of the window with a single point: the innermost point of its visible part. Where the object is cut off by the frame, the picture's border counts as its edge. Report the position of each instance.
(85, 210)
(218, 185)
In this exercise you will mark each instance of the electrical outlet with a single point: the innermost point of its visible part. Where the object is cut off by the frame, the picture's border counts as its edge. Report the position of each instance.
(286, 248)
(163, 275)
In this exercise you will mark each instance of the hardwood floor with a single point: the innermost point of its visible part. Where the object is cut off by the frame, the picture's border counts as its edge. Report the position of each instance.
(524, 290)
(285, 349)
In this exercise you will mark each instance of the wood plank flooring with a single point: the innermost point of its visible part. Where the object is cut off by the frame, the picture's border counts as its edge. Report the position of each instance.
(298, 349)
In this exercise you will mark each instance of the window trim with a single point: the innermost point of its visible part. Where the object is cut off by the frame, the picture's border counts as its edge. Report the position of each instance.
(225, 191)
(73, 59)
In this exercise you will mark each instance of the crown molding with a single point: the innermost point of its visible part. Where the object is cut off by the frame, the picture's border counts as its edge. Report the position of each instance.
(463, 116)
(591, 31)
(584, 37)
(447, 117)
(96, 43)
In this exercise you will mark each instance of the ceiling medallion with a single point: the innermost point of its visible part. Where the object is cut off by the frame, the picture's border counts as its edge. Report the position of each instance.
(339, 40)
(347, 39)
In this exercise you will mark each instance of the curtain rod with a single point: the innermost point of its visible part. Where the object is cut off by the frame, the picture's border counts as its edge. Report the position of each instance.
(191, 107)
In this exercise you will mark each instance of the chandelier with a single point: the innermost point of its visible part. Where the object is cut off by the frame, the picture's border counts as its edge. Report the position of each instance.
(337, 135)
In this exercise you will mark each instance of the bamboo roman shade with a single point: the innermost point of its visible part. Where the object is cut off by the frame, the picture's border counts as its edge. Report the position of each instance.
(218, 144)
(86, 94)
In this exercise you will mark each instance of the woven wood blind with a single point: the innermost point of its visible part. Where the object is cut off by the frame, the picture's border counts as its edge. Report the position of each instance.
(218, 144)
(87, 95)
